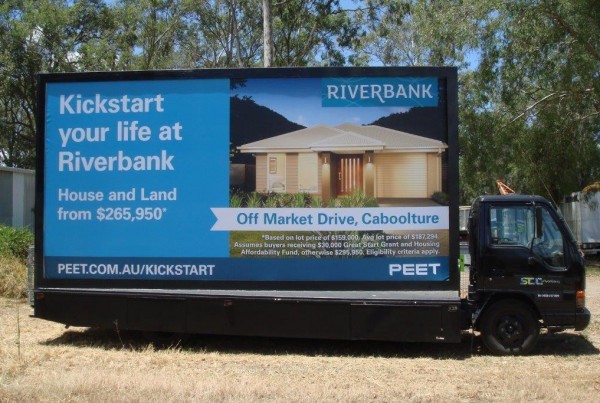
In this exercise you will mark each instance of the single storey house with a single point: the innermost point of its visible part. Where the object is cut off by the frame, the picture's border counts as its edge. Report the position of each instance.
(335, 161)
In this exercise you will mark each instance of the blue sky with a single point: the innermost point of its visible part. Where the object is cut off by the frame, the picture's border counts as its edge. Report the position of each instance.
(299, 100)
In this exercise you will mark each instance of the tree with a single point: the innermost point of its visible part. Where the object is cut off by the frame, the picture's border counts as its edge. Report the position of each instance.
(416, 32)
(153, 33)
(224, 33)
(311, 32)
(97, 35)
(539, 77)
(40, 36)
(231, 33)
(529, 104)
(29, 43)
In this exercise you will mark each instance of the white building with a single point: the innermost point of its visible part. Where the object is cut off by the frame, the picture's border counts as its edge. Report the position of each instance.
(17, 197)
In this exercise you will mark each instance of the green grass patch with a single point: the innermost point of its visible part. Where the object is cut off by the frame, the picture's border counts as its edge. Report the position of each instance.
(15, 242)
(14, 246)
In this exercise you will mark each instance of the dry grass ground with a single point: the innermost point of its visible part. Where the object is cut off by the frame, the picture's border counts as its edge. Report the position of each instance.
(42, 361)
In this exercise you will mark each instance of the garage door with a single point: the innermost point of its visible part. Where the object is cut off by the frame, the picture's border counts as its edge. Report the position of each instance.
(401, 175)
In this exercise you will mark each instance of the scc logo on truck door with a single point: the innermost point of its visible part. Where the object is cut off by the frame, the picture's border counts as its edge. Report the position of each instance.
(531, 281)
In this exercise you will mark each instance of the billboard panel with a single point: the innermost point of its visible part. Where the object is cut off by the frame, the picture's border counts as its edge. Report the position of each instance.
(286, 176)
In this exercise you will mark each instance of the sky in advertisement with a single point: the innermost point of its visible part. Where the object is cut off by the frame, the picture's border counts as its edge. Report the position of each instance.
(299, 100)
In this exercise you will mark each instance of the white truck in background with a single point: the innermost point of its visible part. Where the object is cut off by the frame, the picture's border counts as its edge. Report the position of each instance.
(581, 211)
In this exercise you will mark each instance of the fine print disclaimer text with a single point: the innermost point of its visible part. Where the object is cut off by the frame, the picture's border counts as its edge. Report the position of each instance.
(336, 244)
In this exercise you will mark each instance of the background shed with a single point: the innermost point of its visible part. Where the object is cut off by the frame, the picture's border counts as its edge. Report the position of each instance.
(17, 197)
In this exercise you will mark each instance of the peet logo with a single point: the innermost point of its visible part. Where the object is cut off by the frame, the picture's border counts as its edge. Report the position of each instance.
(414, 269)
(379, 91)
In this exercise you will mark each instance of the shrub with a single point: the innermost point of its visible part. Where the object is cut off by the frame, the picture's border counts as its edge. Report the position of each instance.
(271, 202)
(15, 242)
(440, 198)
(289, 200)
(236, 200)
(357, 198)
(13, 277)
(316, 201)
(253, 200)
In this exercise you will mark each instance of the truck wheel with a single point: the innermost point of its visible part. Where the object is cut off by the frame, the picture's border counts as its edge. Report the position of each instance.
(510, 328)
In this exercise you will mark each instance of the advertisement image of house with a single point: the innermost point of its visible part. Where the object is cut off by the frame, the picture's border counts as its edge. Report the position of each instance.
(332, 161)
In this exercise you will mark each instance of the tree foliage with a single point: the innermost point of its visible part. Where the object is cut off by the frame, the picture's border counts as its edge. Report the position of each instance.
(534, 100)
(416, 33)
(96, 35)
(42, 36)
(529, 83)
(529, 71)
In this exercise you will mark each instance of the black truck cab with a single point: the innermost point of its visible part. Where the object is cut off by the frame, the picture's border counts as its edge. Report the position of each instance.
(526, 272)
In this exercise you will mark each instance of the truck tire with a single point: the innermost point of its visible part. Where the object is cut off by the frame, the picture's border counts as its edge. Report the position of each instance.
(510, 327)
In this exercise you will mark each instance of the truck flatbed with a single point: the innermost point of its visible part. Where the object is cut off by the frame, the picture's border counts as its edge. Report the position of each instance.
(351, 315)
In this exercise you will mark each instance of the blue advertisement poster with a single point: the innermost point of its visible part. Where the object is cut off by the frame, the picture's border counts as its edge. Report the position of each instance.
(260, 179)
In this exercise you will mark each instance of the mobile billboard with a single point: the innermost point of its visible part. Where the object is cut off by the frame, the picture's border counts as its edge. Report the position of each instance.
(325, 177)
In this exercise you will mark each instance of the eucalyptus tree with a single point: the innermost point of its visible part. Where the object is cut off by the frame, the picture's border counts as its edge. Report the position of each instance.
(415, 32)
(539, 76)
(529, 79)
(310, 32)
(231, 33)
(152, 34)
(41, 36)
(224, 33)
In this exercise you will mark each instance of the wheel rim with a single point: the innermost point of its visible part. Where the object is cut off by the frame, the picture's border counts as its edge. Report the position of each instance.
(511, 331)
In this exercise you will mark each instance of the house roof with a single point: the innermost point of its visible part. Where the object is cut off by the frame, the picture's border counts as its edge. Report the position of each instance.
(345, 138)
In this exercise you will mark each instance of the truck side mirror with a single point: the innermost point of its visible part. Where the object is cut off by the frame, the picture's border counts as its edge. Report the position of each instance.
(539, 226)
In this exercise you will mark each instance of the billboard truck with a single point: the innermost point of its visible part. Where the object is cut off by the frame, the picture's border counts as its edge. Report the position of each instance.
(301, 202)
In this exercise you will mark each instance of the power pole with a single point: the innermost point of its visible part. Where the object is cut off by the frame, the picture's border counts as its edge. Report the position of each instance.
(267, 37)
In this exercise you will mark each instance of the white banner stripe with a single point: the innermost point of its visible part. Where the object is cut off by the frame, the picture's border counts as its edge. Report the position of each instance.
(330, 219)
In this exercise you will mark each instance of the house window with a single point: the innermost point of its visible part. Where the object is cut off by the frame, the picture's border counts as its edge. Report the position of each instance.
(308, 172)
(276, 177)
(272, 165)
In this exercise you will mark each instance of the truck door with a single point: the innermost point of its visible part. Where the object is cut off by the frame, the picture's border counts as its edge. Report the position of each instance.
(561, 277)
(507, 252)
(528, 251)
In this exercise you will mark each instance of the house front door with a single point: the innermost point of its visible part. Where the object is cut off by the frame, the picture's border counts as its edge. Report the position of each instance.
(349, 174)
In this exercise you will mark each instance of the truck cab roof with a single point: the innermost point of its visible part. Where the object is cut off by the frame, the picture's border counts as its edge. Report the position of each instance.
(510, 199)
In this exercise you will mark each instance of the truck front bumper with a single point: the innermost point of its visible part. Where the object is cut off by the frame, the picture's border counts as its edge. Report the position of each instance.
(582, 319)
